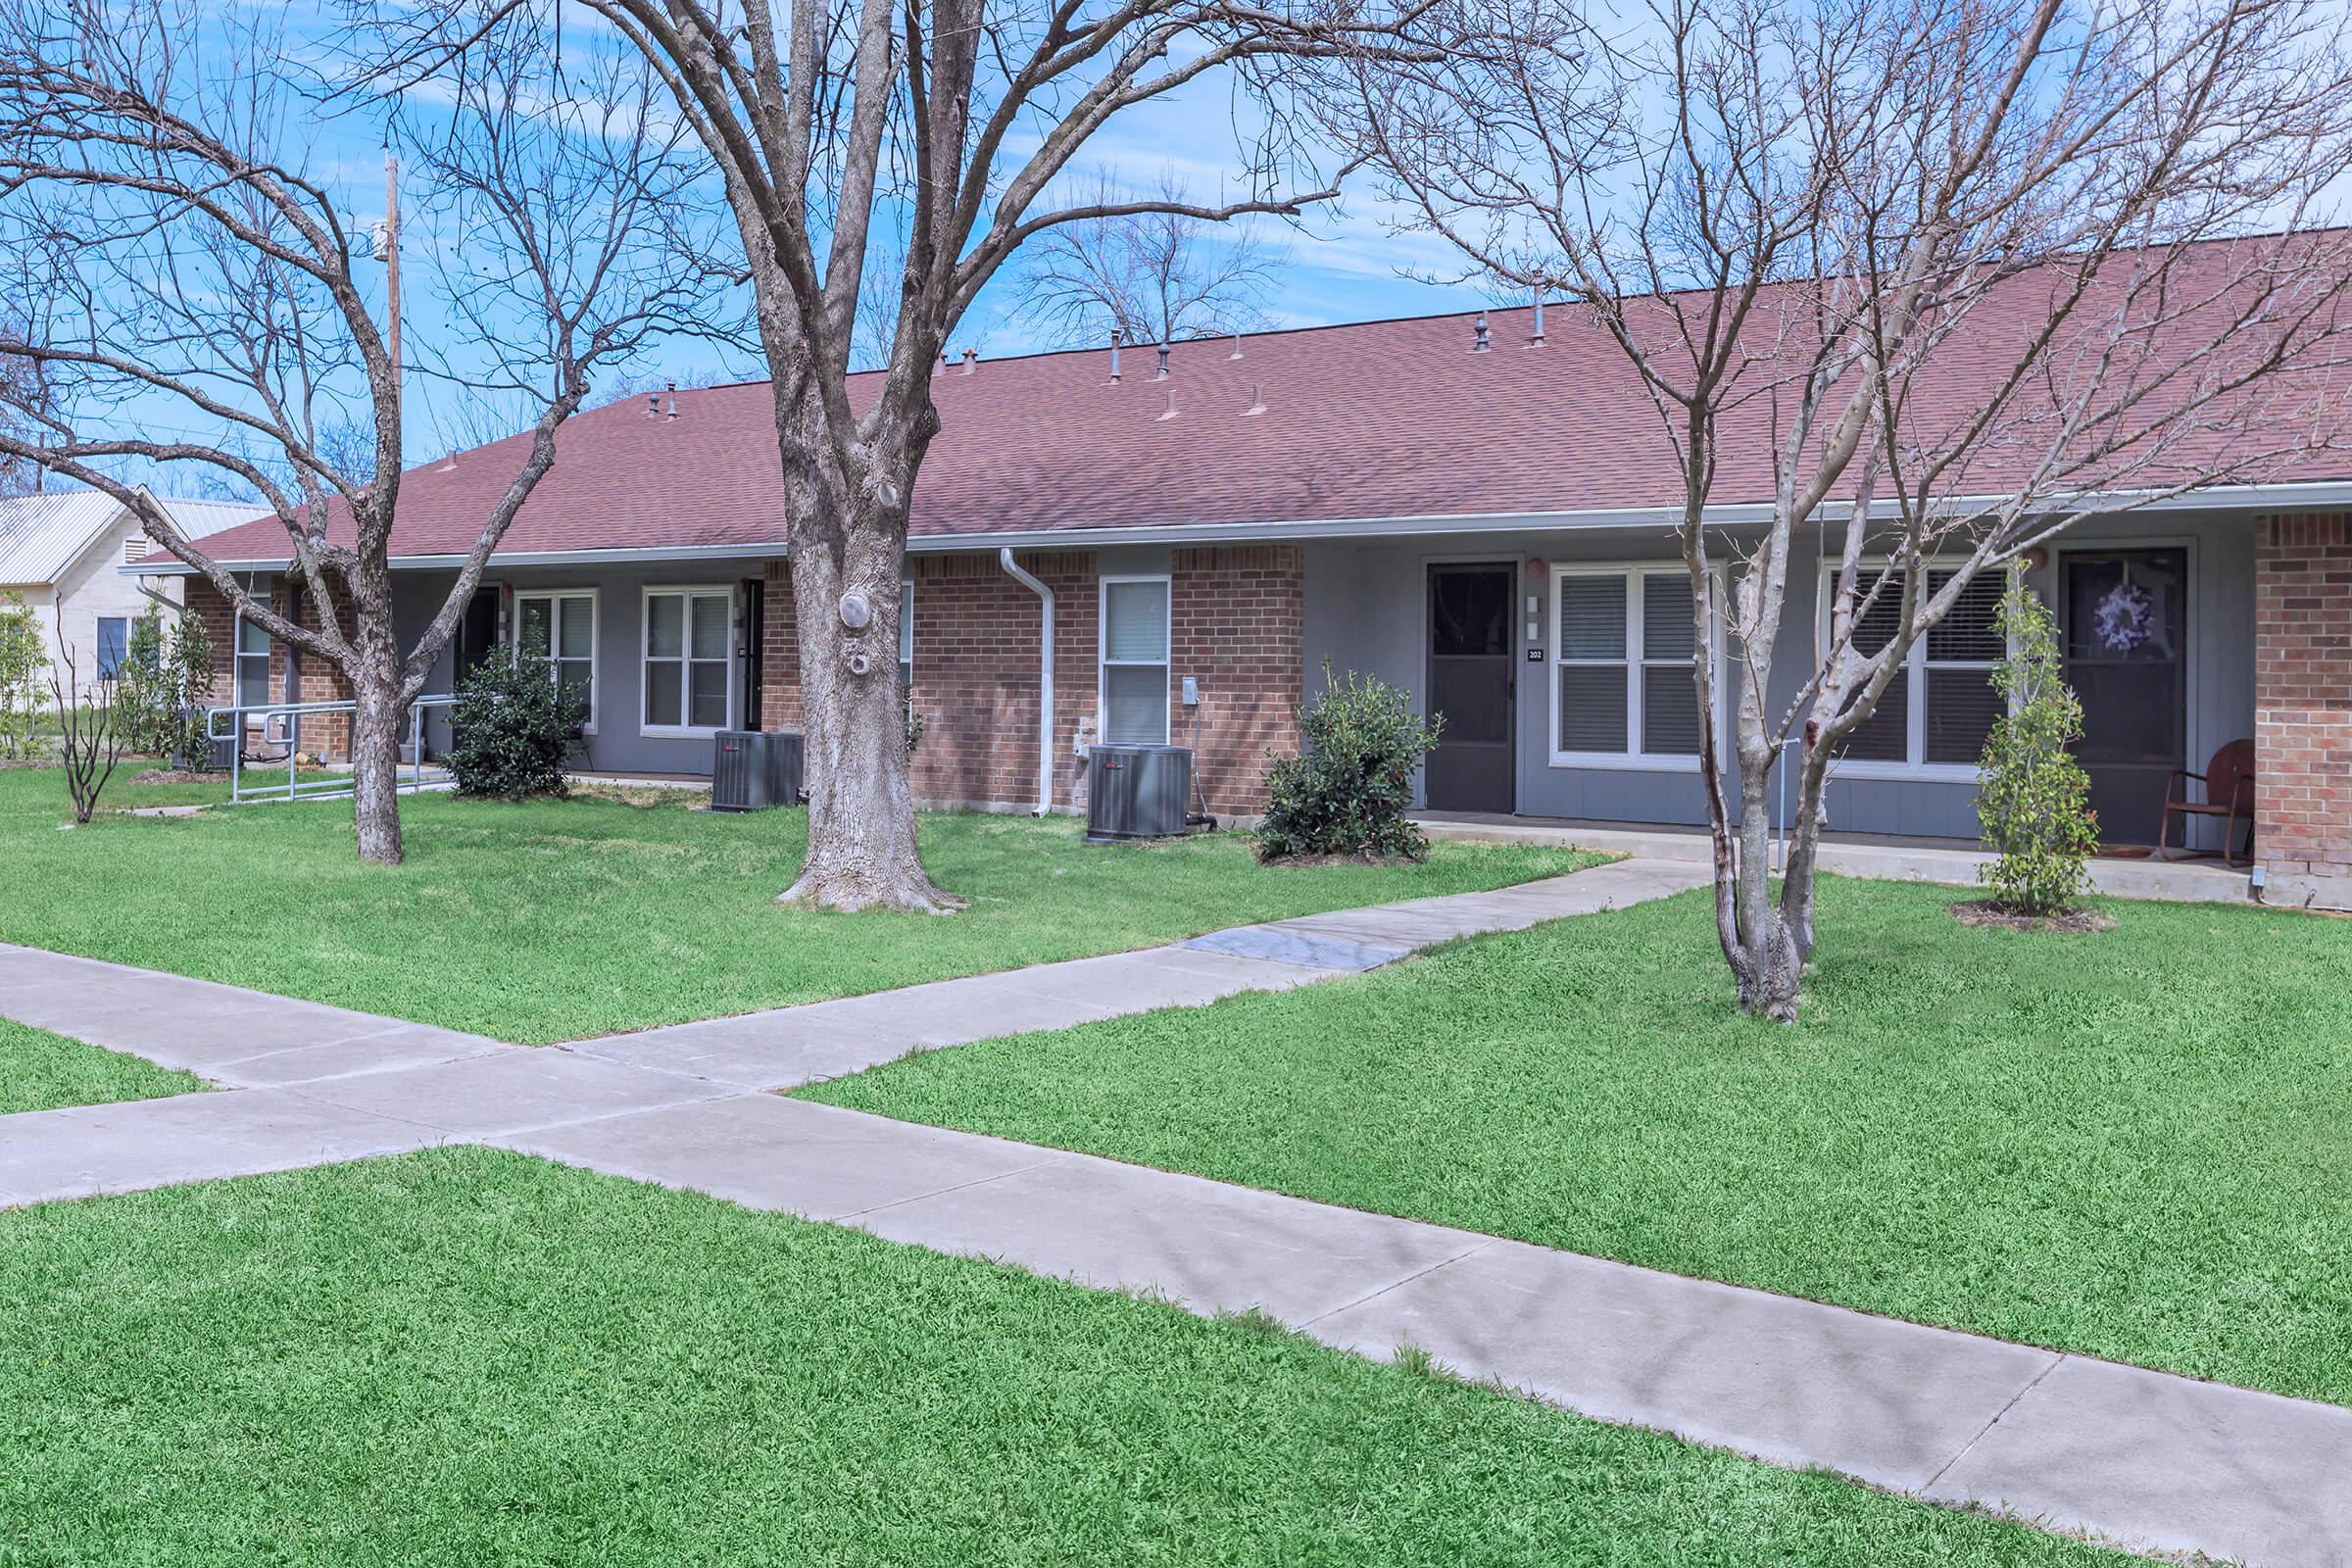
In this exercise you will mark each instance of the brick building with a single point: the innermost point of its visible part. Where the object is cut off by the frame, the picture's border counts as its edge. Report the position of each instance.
(1490, 529)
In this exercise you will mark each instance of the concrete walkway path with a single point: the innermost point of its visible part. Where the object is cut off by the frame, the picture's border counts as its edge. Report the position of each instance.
(789, 1046)
(2144, 1459)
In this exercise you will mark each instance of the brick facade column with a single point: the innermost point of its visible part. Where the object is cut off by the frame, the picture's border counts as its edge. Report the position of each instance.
(2303, 708)
(325, 735)
(779, 651)
(1239, 627)
(976, 669)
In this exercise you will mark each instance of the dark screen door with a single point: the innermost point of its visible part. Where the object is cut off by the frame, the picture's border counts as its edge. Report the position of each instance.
(2124, 617)
(1470, 682)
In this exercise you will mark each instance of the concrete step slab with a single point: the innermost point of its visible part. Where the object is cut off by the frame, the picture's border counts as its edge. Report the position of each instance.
(89, 1149)
(2164, 1464)
(1793, 1382)
(1207, 1245)
(788, 1155)
(517, 1090)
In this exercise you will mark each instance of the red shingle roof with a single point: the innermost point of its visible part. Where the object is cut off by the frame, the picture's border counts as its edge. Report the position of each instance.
(1373, 420)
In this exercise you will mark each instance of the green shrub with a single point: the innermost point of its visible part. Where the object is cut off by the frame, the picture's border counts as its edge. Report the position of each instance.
(1347, 789)
(514, 730)
(163, 686)
(145, 705)
(2034, 799)
(23, 663)
(188, 669)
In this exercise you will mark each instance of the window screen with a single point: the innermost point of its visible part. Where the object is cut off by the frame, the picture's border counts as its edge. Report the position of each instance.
(687, 646)
(559, 630)
(1135, 661)
(1668, 685)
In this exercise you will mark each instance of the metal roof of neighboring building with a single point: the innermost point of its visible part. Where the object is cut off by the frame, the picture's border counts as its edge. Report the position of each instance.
(42, 535)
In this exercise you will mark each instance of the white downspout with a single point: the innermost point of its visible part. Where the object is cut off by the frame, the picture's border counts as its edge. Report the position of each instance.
(1044, 682)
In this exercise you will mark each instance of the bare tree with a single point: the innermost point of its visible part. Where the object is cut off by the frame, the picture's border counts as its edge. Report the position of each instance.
(91, 733)
(1152, 276)
(155, 202)
(1939, 279)
(950, 123)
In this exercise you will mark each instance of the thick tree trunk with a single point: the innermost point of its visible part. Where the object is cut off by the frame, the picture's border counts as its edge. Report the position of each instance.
(379, 719)
(376, 736)
(862, 839)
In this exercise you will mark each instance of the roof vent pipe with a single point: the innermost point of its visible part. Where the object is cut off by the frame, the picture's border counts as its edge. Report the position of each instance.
(1538, 339)
(1257, 401)
(971, 358)
(1114, 356)
(1163, 373)
(1044, 679)
(1479, 344)
(652, 405)
(1237, 347)
(1169, 413)
(673, 400)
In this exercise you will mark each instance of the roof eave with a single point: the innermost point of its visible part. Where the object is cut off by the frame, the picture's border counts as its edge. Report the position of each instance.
(2319, 494)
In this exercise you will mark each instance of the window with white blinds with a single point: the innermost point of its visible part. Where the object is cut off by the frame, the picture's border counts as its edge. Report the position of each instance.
(1940, 706)
(1623, 684)
(558, 628)
(253, 664)
(1134, 674)
(689, 663)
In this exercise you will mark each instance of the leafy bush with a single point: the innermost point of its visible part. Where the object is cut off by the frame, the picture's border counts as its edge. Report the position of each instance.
(23, 661)
(2034, 799)
(1349, 787)
(514, 730)
(165, 681)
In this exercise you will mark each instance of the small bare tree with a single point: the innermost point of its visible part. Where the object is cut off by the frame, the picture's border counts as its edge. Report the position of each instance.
(836, 121)
(1934, 279)
(91, 733)
(163, 232)
(1152, 276)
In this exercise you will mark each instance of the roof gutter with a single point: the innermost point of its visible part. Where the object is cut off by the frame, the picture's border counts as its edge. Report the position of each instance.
(2326, 494)
(1045, 678)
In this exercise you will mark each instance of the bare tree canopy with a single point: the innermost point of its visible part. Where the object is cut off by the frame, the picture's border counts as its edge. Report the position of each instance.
(841, 130)
(193, 296)
(1941, 277)
(1152, 276)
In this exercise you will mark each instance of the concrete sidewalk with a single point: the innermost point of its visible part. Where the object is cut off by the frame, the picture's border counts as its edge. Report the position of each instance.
(2145, 1460)
(788, 1046)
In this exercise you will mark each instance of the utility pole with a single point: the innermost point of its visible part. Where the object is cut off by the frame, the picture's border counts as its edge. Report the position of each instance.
(392, 261)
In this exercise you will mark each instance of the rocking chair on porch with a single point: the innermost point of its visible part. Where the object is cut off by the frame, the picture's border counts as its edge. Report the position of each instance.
(2229, 781)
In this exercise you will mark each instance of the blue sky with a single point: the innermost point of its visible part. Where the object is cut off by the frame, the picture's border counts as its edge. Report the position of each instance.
(1342, 263)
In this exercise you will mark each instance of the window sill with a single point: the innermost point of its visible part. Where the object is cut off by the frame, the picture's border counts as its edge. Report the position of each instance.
(679, 732)
(1624, 763)
(1906, 772)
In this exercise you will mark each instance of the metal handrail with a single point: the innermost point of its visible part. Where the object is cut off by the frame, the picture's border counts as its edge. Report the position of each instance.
(333, 786)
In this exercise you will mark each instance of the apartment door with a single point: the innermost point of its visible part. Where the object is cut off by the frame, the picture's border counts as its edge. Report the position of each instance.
(2124, 615)
(1471, 682)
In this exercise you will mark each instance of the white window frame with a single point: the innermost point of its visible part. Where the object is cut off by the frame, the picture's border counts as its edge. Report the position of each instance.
(1104, 662)
(686, 663)
(1915, 769)
(98, 642)
(1631, 572)
(906, 641)
(555, 622)
(239, 653)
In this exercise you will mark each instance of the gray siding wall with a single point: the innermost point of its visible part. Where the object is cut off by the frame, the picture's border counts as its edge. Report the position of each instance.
(1366, 610)
(616, 746)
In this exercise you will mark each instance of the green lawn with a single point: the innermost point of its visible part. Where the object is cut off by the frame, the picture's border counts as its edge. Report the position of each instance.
(467, 1356)
(558, 919)
(2137, 1144)
(41, 1071)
